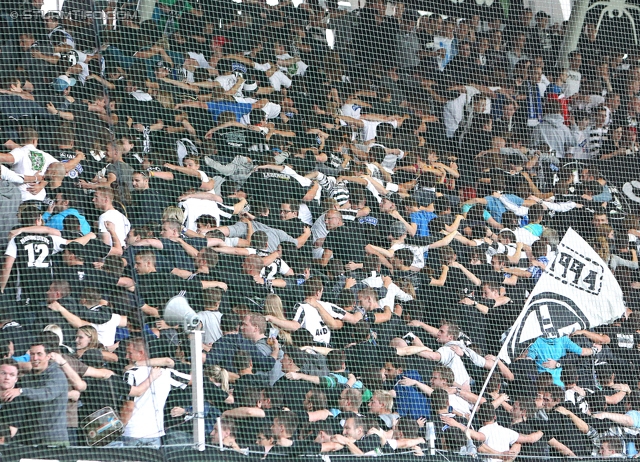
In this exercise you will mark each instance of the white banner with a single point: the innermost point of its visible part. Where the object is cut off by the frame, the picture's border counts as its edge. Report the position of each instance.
(576, 291)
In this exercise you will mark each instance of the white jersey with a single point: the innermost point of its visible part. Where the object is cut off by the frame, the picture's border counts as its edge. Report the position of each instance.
(29, 160)
(107, 331)
(278, 266)
(147, 419)
(194, 208)
(309, 318)
(419, 253)
(210, 325)
(454, 362)
(122, 225)
(498, 438)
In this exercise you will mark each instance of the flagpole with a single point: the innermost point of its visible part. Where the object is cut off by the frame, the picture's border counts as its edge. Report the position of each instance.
(505, 345)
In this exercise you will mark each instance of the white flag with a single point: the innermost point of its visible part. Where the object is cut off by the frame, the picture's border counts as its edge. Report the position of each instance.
(576, 291)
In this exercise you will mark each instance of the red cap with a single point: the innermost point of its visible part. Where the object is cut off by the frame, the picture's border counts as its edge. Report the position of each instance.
(218, 41)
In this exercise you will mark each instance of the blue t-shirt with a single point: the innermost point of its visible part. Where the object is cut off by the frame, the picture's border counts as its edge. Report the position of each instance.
(534, 228)
(544, 349)
(497, 208)
(57, 221)
(422, 219)
(536, 271)
(217, 107)
(409, 401)
(635, 416)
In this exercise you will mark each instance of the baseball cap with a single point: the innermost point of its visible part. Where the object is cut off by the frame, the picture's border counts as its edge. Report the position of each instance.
(61, 83)
(272, 110)
(218, 41)
(424, 197)
(249, 86)
(398, 229)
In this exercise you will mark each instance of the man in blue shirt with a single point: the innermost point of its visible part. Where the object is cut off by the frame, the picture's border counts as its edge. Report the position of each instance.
(409, 401)
(62, 208)
(217, 107)
(548, 350)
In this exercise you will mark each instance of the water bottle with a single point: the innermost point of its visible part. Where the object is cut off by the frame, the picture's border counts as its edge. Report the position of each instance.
(431, 438)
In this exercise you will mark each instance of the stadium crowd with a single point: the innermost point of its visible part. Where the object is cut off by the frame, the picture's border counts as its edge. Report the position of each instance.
(357, 227)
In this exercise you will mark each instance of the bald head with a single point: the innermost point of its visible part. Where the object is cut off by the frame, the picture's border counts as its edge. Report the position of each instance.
(55, 174)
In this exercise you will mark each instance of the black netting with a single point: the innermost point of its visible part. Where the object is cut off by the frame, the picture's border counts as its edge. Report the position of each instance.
(318, 228)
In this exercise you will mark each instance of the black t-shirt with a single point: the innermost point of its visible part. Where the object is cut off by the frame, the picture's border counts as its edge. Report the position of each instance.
(293, 392)
(17, 413)
(33, 265)
(298, 448)
(81, 276)
(440, 428)
(143, 112)
(248, 429)
(368, 443)
(562, 429)
(499, 320)
(367, 355)
(394, 327)
(215, 395)
(243, 289)
(346, 244)
(233, 141)
(101, 393)
(146, 206)
(273, 188)
(538, 450)
(247, 382)
(157, 288)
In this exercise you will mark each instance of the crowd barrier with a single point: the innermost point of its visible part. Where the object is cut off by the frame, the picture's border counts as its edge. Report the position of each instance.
(13, 453)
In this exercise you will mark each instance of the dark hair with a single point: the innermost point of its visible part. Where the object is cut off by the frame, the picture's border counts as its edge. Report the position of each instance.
(486, 412)
(28, 214)
(289, 420)
(335, 360)
(242, 360)
(9, 362)
(536, 212)
(439, 399)
(615, 444)
(312, 286)
(557, 393)
(211, 296)
(569, 375)
(48, 340)
(92, 295)
(259, 240)
(230, 322)
(206, 220)
(405, 256)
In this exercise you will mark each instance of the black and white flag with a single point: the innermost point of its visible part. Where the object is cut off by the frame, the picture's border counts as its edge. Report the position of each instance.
(576, 291)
